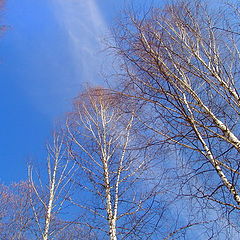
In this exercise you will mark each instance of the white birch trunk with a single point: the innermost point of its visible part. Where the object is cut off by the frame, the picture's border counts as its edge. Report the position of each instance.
(51, 199)
(211, 158)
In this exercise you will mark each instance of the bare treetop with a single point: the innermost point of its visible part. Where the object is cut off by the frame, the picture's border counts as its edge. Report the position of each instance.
(182, 62)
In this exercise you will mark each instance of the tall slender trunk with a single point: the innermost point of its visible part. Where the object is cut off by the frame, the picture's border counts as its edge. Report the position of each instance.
(50, 201)
(210, 157)
(105, 158)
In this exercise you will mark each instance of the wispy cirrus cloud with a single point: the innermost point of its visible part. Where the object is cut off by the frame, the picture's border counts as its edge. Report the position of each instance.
(85, 28)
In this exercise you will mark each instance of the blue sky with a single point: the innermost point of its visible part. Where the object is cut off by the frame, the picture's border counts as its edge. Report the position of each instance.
(50, 50)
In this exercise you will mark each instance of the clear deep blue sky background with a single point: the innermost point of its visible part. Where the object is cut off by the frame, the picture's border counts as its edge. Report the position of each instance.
(50, 49)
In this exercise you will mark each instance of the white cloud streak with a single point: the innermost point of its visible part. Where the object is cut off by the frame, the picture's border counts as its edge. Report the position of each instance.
(85, 28)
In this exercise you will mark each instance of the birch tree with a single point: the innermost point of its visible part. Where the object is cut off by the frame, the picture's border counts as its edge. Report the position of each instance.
(52, 195)
(116, 191)
(182, 62)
